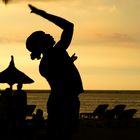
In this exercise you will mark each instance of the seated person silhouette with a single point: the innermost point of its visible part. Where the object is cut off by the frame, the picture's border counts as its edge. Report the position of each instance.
(58, 68)
(6, 105)
(38, 119)
(5, 109)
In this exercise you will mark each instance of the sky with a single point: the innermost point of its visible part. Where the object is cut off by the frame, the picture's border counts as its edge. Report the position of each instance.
(106, 40)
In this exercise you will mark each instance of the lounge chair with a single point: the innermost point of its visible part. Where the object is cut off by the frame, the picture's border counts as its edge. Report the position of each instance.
(98, 113)
(128, 114)
(115, 112)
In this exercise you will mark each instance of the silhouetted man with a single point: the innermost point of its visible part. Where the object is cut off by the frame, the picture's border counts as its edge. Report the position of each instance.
(63, 77)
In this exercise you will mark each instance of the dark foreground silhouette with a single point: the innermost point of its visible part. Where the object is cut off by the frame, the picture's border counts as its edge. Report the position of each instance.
(58, 68)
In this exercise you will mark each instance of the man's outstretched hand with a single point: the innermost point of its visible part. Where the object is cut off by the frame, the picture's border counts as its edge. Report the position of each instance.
(36, 10)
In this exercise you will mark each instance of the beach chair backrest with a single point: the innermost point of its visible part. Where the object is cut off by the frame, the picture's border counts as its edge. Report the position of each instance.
(118, 110)
(128, 114)
(119, 107)
(100, 110)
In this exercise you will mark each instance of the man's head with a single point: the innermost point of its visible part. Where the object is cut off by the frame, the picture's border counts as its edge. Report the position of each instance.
(38, 42)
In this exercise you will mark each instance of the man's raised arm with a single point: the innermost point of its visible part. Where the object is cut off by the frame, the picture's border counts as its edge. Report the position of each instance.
(67, 26)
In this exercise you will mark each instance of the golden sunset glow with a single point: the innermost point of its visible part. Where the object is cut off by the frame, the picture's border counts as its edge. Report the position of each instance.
(106, 40)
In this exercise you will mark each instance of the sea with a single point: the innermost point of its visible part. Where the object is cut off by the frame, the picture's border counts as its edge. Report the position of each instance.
(90, 99)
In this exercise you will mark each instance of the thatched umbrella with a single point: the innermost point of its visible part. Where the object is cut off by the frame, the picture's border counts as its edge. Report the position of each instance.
(12, 75)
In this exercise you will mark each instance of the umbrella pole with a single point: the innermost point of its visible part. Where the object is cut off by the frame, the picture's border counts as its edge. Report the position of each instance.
(11, 87)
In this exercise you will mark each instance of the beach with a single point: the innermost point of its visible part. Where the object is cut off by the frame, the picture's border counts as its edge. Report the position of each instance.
(87, 131)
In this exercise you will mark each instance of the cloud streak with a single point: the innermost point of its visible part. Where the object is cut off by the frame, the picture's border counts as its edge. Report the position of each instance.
(93, 37)
(19, 1)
